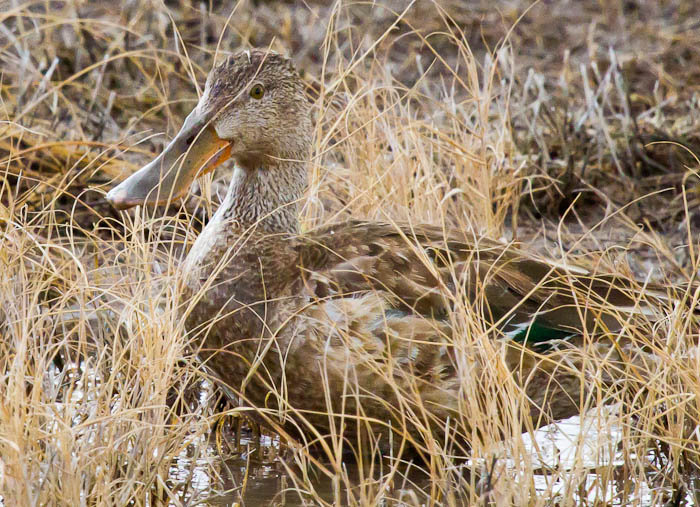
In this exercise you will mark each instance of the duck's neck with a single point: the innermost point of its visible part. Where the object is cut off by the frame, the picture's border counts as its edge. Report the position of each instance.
(266, 197)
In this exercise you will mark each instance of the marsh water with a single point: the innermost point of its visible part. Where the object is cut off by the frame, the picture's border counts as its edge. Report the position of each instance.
(258, 475)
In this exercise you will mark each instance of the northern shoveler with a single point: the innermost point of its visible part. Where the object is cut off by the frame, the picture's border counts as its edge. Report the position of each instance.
(354, 322)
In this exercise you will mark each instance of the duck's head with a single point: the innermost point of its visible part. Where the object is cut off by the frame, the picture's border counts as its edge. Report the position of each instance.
(253, 110)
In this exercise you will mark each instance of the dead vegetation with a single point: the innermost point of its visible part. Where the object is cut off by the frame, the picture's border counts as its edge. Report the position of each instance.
(572, 126)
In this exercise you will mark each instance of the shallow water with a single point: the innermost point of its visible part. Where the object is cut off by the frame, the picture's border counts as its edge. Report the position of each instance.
(258, 477)
(252, 480)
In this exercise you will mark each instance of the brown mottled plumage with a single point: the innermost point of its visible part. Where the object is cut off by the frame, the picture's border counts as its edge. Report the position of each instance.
(357, 318)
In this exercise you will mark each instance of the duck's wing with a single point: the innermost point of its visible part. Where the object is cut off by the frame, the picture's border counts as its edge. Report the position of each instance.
(424, 271)
(383, 310)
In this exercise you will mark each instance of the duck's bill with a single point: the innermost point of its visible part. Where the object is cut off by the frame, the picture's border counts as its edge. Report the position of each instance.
(194, 151)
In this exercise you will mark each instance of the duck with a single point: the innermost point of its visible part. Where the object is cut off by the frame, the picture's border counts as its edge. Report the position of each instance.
(357, 328)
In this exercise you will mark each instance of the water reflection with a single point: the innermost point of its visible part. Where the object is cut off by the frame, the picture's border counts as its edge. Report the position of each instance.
(252, 474)
(260, 475)
(255, 474)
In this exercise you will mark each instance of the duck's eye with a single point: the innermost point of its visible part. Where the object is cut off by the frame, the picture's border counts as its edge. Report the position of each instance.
(257, 91)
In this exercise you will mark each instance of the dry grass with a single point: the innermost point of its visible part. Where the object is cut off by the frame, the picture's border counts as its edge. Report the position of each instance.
(473, 118)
